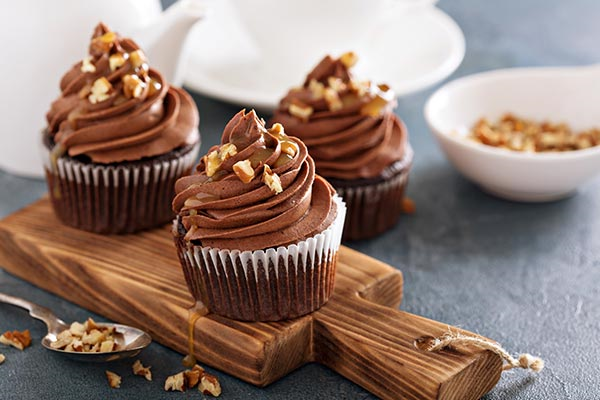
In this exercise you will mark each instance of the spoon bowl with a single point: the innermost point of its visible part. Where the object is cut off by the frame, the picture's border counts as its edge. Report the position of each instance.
(131, 341)
(567, 95)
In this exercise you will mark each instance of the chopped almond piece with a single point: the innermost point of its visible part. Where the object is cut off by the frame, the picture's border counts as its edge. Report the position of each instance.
(139, 369)
(272, 180)
(115, 61)
(87, 66)
(193, 376)
(227, 150)
(100, 89)
(301, 110)
(90, 324)
(316, 88)
(2, 358)
(17, 339)
(408, 206)
(93, 337)
(209, 384)
(137, 58)
(244, 171)
(349, 59)
(333, 99)
(175, 382)
(77, 329)
(107, 346)
(114, 380)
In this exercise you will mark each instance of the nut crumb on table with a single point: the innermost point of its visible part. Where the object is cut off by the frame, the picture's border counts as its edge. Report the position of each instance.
(175, 382)
(188, 379)
(139, 369)
(209, 384)
(2, 358)
(17, 339)
(114, 380)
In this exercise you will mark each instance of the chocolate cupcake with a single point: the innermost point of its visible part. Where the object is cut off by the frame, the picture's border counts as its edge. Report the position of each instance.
(257, 231)
(118, 137)
(359, 145)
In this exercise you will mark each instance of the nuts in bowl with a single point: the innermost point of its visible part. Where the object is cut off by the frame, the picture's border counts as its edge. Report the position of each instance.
(543, 151)
(518, 134)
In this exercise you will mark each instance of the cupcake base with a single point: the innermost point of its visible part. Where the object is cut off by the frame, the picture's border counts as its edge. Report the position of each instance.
(263, 285)
(117, 198)
(374, 205)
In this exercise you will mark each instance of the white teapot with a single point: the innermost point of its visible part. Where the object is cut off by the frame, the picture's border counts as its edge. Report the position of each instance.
(43, 39)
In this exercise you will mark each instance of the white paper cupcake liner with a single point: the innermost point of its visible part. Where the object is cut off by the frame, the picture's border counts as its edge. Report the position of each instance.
(116, 199)
(265, 285)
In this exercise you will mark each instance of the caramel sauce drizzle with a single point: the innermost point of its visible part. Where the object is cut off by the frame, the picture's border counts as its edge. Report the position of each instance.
(195, 313)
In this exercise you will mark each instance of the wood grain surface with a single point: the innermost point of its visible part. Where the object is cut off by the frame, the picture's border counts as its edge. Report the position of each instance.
(137, 280)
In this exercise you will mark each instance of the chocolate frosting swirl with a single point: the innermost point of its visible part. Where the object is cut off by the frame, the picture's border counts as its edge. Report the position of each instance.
(219, 210)
(114, 108)
(348, 126)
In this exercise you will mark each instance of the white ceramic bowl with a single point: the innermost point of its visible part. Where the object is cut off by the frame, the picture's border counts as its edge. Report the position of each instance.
(570, 95)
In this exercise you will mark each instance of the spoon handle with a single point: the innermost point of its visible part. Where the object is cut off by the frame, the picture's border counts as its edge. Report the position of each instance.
(53, 323)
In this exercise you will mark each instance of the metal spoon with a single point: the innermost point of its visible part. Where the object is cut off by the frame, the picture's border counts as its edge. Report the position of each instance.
(130, 340)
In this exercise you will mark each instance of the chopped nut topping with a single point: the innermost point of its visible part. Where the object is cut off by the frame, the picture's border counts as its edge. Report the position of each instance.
(271, 179)
(87, 66)
(215, 158)
(153, 87)
(114, 380)
(137, 58)
(175, 382)
(244, 171)
(115, 61)
(336, 84)
(359, 87)
(301, 110)
(104, 43)
(374, 107)
(349, 59)
(290, 148)
(333, 99)
(2, 358)
(85, 91)
(513, 133)
(88, 337)
(17, 339)
(212, 163)
(226, 151)
(276, 129)
(316, 88)
(133, 86)
(192, 203)
(209, 384)
(100, 89)
(139, 369)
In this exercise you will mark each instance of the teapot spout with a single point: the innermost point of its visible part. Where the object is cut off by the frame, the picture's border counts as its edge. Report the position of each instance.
(164, 39)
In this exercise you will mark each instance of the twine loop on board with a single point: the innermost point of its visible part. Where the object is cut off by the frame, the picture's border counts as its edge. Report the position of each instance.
(525, 360)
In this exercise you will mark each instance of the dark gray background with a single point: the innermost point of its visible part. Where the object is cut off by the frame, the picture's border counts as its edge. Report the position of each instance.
(525, 275)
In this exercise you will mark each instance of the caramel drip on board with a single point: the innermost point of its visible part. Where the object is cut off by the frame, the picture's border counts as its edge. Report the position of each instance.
(197, 311)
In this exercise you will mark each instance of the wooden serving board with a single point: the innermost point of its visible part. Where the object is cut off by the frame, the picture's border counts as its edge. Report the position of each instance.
(359, 333)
